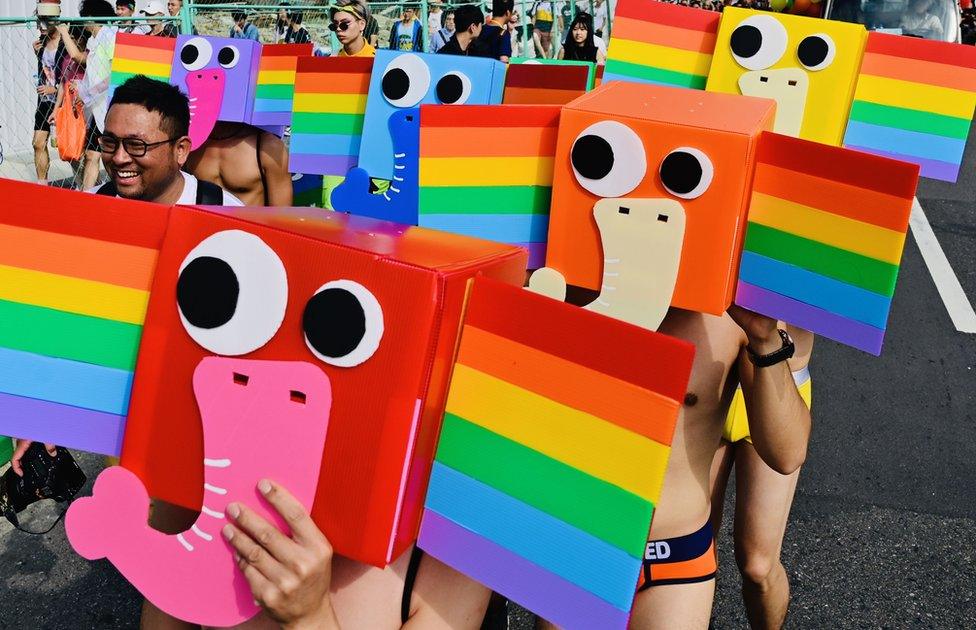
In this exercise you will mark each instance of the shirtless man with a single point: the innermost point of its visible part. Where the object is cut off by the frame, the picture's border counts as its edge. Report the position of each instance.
(246, 161)
(762, 503)
(678, 581)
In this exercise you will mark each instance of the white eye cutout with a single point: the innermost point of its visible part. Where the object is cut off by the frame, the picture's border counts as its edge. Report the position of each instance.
(232, 292)
(343, 323)
(686, 172)
(816, 51)
(454, 88)
(608, 159)
(196, 54)
(228, 56)
(406, 81)
(758, 42)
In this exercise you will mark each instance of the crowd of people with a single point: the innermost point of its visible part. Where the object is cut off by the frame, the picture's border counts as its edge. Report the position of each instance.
(77, 58)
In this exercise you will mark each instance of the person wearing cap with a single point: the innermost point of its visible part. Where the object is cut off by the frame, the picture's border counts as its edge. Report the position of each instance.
(349, 20)
(154, 8)
(126, 8)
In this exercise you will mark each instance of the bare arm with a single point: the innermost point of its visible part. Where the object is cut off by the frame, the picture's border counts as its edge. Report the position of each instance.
(274, 165)
(446, 599)
(77, 54)
(779, 421)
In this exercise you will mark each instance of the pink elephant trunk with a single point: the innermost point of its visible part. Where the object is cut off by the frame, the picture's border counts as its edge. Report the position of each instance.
(205, 89)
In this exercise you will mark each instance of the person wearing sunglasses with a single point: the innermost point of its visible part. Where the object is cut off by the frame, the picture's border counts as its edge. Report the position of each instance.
(146, 143)
(349, 20)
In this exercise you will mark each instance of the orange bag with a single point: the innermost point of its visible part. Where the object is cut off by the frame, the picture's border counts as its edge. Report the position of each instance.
(70, 122)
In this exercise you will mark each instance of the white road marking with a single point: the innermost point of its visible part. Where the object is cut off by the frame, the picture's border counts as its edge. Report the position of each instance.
(960, 309)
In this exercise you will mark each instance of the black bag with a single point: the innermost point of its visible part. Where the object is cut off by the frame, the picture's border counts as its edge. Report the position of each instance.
(45, 477)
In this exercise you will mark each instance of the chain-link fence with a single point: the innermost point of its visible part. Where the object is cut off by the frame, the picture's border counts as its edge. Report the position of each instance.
(36, 66)
(43, 65)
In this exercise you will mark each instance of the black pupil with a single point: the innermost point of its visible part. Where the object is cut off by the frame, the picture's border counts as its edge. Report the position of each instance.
(334, 322)
(681, 172)
(226, 55)
(189, 54)
(207, 292)
(592, 157)
(450, 89)
(396, 83)
(812, 51)
(746, 41)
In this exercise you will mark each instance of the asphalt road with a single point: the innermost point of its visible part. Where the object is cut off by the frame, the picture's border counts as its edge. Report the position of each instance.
(883, 530)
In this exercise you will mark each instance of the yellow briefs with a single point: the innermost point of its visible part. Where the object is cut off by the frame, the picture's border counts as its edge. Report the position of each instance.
(737, 424)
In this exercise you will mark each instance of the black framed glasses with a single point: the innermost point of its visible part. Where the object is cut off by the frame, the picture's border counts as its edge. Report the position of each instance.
(133, 146)
(340, 26)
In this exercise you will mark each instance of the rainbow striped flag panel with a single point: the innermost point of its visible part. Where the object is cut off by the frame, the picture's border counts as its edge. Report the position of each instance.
(141, 54)
(275, 91)
(914, 101)
(824, 239)
(552, 453)
(546, 84)
(496, 185)
(656, 42)
(327, 124)
(73, 298)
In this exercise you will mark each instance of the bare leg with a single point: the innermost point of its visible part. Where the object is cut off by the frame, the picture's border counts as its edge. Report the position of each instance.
(762, 507)
(674, 607)
(719, 482)
(93, 162)
(42, 161)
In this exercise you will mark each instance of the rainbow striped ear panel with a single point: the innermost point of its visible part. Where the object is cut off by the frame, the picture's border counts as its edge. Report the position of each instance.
(141, 54)
(547, 84)
(330, 102)
(495, 186)
(73, 296)
(826, 230)
(276, 83)
(914, 102)
(656, 42)
(552, 453)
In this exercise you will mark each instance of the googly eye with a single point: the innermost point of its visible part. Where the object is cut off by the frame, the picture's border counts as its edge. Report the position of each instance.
(686, 172)
(816, 51)
(196, 54)
(228, 57)
(608, 159)
(406, 81)
(343, 323)
(453, 88)
(232, 292)
(758, 42)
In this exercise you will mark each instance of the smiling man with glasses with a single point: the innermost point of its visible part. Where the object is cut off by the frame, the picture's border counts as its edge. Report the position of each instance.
(349, 20)
(146, 144)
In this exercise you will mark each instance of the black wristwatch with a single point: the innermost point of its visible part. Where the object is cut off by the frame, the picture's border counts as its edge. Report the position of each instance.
(784, 353)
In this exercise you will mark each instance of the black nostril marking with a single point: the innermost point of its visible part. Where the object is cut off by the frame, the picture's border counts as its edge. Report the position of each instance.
(199, 76)
(297, 396)
(409, 118)
(623, 210)
(241, 379)
(792, 82)
(764, 79)
(663, 218)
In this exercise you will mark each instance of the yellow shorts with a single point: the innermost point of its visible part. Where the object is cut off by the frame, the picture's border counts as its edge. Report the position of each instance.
(737, 424)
